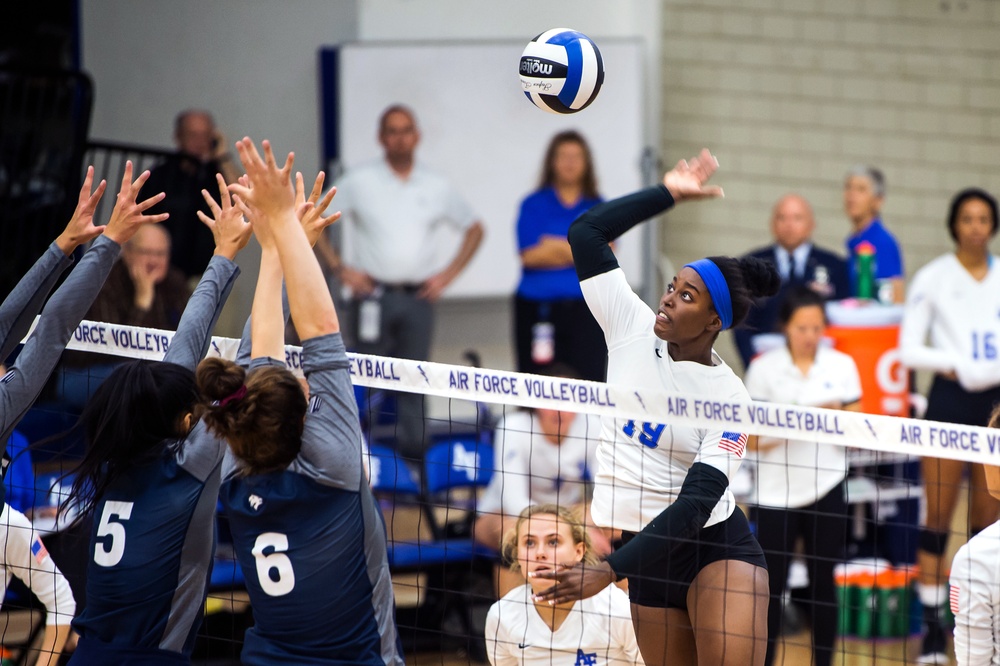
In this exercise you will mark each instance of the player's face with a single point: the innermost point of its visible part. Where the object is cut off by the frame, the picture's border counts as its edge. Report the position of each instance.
(974, 225)
(554, 424)
(569, 163)
(860, 202)
(543, 542)
(804, 331)
(685, 310)
(399, 135)
(792, 222)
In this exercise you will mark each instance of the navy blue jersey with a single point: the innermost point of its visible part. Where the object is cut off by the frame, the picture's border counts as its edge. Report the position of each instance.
(154, 528)
(310, 538)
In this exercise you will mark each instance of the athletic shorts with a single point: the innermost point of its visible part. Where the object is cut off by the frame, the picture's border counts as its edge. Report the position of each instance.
(950, 403)
(667, 586)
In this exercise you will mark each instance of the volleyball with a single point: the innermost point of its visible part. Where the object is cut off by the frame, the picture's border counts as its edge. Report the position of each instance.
(561, 71)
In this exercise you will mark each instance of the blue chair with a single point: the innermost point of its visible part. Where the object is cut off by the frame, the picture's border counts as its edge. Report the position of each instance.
(454, 471)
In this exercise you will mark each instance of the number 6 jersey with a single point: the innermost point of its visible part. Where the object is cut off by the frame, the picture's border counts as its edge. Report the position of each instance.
(310, 538)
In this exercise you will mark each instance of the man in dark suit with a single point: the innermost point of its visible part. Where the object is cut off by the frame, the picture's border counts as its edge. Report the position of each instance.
(799, 262)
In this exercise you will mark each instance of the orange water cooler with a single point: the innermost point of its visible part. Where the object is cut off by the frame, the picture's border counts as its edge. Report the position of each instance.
(869, 333)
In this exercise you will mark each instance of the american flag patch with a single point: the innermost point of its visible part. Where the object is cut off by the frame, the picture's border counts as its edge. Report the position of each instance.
(734, 442)
(953, 599)
(6, 378)
(315, 402)
(38, 550)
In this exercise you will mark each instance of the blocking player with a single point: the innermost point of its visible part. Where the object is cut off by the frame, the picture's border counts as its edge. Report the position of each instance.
(307, 531)
(150, 476)
(23, 554)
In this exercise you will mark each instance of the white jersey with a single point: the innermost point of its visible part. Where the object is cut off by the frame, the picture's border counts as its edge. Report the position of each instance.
(952, 323)
(975, 599)
(793, 473)
(529, 469)
(597, 631)
(393, 224)
(641, 466)
(25, 556)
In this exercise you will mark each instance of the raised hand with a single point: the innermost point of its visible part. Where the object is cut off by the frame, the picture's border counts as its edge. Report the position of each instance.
(81, 228)
(686, 181)
(310, 211)
(271, 192)
(128, 216)
(229, 228)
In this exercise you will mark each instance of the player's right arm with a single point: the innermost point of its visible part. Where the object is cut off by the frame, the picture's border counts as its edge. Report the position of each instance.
(917, 319)
(231, 232)
(22, 384)
(24, 302)
(615, 307)
(331, 441)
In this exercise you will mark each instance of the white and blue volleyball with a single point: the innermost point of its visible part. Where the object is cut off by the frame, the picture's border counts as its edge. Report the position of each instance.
(561, 71)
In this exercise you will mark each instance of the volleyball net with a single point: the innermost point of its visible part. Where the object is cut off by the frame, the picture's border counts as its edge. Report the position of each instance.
(445, 558)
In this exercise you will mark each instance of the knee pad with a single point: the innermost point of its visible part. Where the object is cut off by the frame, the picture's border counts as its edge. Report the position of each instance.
(933, 542)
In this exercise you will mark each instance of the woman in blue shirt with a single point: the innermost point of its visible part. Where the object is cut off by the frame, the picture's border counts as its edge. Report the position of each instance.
(551, 320)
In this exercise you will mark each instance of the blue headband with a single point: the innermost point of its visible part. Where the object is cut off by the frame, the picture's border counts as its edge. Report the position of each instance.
(717, 289)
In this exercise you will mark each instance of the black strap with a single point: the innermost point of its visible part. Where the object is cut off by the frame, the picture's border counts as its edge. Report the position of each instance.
(590, 234)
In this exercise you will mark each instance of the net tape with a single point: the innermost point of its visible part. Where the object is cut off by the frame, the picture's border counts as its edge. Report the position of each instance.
(890, 434)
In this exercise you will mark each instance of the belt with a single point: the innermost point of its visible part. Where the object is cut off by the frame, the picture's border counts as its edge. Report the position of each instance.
(401, 287)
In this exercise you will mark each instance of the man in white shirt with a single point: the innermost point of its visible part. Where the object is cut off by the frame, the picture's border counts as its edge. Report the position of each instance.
(395, 208)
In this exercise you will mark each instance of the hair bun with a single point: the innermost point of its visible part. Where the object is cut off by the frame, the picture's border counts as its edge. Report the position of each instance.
(218, 378)
(760, 277)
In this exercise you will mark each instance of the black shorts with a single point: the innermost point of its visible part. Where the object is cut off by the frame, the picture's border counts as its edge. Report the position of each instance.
(667, 587)
(950, 403)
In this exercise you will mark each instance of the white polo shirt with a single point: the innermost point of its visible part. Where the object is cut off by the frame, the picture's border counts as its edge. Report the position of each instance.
(641, 466)
(975, 599)
(598, 631)
(796, 473)
(394, 225)
(529, 469)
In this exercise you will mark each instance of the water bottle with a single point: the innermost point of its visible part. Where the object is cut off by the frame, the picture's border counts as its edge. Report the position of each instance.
(844, 593)
(543, 343)
(864, 605)
(865, 270)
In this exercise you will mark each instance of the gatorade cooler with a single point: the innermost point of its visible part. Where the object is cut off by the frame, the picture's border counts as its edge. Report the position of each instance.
(869, 333)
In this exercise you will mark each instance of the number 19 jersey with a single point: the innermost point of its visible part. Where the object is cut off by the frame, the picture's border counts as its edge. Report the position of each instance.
(641, 466)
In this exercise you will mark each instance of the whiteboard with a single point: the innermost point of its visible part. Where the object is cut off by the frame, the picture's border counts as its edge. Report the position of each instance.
(479, 130)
